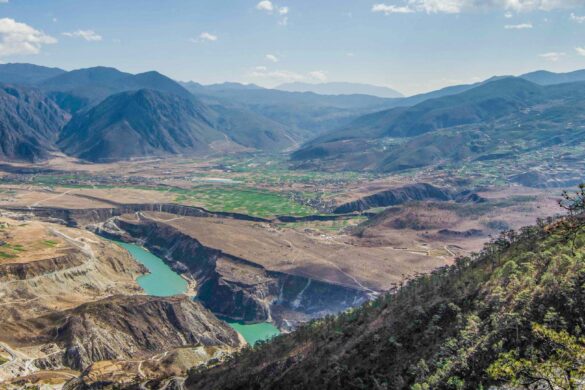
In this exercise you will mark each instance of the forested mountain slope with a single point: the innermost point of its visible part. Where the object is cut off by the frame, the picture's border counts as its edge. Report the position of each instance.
(511, 315)
(29, 124)
(508, 116)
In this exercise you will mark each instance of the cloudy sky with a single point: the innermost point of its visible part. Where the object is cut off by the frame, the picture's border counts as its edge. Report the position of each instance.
(410, 45)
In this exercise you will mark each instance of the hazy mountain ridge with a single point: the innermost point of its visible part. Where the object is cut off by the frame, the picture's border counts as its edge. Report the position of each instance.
(28, 74)
(306, 114)
(273, 120)
(138, 124)
(92, 85)
(453, 127)
(147, 123)
(341, 88)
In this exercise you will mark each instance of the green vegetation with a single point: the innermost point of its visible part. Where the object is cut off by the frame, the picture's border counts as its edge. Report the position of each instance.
(559, 363)
(511, 315)
(3, 360)
(243, 200)
(4, 255)
(271, 170)
(9, 251)
(335, 226)
(50, 243)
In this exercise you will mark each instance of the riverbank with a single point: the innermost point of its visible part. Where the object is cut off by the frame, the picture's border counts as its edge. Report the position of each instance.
(162, 281)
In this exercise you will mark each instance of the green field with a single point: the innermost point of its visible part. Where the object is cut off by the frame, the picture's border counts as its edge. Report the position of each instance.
(253, 202)
(326, 226)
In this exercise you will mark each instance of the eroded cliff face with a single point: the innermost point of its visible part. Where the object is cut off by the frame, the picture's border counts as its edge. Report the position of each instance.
(129, 327)
(83, 217)
(233, 287)
(70, 298)
(396, 196)
(47, 268)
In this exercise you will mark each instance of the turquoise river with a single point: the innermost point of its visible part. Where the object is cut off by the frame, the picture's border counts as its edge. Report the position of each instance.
(162, 281)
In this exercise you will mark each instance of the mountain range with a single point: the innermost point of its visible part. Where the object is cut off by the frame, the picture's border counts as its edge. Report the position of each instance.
(85, 112)
(139, 123)
(340, 88)
(476, 122)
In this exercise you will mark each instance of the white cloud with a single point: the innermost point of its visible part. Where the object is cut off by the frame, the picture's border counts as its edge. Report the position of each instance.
(577, 18)
(318, 75)
(522, 26)
(508, 15)
(350, 54)
(205, 37)
(271, 8)
(20, 38)
(441, 6)
(286, 76)
(541, 5)
(553, 56)
(277, 75)
(458, 6)
(271, 57)
(580, 51)
(88, 35)
(265, 5)
(392, 9)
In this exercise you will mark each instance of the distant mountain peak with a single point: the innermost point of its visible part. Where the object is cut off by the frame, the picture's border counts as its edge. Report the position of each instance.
(545, 77)
(341, 88)
(28, 74)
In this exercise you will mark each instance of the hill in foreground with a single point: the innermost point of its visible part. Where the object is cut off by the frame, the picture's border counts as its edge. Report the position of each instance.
(513, 315)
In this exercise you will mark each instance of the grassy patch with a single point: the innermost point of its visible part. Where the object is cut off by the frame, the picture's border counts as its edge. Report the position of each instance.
(4, 255)
(15, 248)
(50, 243)
(3, 360)
(254, 202)
(326, 226)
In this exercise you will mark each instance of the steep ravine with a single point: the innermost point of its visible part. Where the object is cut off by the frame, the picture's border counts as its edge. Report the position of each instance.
(233, 287)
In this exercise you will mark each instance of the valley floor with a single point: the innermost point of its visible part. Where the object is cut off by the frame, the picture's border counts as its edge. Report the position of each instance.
(257, 242)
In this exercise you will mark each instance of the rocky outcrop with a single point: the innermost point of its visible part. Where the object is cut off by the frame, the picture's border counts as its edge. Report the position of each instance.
(23, 271)
(408, 193)
(536, 179)
(320, 218)
(448, 233)
(82, 217)
(395, 196)
(131, 327)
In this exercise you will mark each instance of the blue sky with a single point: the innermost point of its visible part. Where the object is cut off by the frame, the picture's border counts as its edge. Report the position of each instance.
(410, 45)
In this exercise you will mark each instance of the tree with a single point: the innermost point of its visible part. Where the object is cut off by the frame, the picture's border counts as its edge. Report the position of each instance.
(573, 223)
(557, 362)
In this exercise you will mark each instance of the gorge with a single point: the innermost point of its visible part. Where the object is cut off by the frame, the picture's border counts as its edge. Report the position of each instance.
(162, 281)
